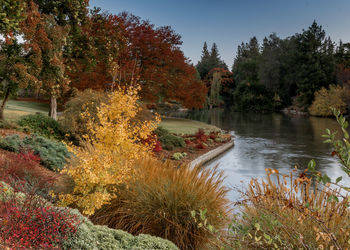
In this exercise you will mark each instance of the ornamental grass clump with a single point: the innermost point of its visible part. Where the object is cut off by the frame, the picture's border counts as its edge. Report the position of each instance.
(106, 159)
(158, 200)
(292, 213)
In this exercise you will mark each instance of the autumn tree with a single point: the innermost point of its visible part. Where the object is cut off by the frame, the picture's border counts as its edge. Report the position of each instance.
(107, 159)
(13, 71)
(96, 64)
(45, 40)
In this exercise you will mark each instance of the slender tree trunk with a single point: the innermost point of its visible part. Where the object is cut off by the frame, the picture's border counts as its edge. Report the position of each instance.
(2, 107)
(53, 108)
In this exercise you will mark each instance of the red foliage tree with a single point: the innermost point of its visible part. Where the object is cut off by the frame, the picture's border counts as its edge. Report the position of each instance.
(164, 71)
(124, 49)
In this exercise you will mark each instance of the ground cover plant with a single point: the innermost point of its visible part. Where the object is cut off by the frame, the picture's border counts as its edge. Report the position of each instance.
(52, 154)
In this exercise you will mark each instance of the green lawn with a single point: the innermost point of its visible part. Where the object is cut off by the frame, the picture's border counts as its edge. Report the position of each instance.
(14, 109)
(185, 126)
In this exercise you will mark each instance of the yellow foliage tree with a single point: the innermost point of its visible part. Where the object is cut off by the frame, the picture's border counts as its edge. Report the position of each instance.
(326, 99)
(114, 142)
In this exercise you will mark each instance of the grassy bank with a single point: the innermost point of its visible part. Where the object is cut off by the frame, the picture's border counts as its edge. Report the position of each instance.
(186, 126)
(14, 109)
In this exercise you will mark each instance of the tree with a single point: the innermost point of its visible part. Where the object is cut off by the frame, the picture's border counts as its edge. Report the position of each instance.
(107, 159)
(45, 40)
(11, 14)
(316, 65)
(246, 63)
(209, 61)
(215, 88)
(203, 66)
(13, 71)
(96, 63)
(269, 65)
(65, 12)
(164, 73)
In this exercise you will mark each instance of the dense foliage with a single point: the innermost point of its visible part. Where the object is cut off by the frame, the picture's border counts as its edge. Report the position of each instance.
(106, 159)
(84, 101)
(328, 99)
(168, 140)
(43, 125)
(52, 154)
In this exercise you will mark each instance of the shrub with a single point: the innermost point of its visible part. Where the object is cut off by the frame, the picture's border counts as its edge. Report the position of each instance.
(25, 167)
(42, 125)
(29, 223)
(169, 141)
(87, 100)
(53, 154)
(106, 160)
(281, 216)
(326, 99)
(159, 201)
(178, 156)
(87, 235)
(201, 136)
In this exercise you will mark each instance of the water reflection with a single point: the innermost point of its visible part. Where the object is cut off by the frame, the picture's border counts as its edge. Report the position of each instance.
(270, 141)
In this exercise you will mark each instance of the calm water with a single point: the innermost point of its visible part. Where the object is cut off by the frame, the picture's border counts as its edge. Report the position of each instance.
(270, 141)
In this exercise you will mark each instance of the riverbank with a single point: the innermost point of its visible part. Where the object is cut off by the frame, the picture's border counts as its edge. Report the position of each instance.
(198, 139)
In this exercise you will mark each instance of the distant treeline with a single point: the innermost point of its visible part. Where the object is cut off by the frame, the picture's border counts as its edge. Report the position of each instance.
(277, 73)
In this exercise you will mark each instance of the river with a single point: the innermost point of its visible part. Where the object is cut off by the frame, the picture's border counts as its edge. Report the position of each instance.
(274, 141)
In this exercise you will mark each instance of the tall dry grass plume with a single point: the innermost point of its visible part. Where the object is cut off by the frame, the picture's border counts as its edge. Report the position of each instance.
(292, 212)
(160, 198)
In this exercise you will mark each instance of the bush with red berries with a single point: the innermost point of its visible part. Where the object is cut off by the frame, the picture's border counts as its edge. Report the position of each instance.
(27, 222)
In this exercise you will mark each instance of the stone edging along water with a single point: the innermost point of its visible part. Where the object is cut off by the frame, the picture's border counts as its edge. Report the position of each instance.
(211, 154)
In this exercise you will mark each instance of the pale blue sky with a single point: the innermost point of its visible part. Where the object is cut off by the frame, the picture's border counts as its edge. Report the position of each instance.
(229, 22)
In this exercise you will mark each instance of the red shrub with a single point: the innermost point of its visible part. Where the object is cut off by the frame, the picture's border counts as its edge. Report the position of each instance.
(201, 136)
(213, 135)
(200, 145)
(25, 167)
(29, 224)
(158, 147)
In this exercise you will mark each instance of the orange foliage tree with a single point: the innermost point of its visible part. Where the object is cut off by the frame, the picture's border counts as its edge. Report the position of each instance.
(44, 41)
(123, 49)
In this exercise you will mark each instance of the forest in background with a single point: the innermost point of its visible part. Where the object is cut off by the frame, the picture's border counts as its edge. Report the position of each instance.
(280, 73)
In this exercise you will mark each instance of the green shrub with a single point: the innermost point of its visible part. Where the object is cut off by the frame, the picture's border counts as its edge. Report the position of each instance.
(160, 198)
(178, 156)
(52, 154)
(42, 125)
(326, 99)
(72, 120)
(169, 141)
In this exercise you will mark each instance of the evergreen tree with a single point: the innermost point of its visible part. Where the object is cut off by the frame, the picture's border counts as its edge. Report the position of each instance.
(203, 66)
(209, 61)
(315, 63)
(214, 58)
(246, 62)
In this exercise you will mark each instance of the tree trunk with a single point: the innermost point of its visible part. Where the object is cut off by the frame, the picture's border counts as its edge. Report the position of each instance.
(2, 107)
(53, 108)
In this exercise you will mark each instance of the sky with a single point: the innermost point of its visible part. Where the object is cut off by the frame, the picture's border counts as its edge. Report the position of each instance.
(230, 22)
